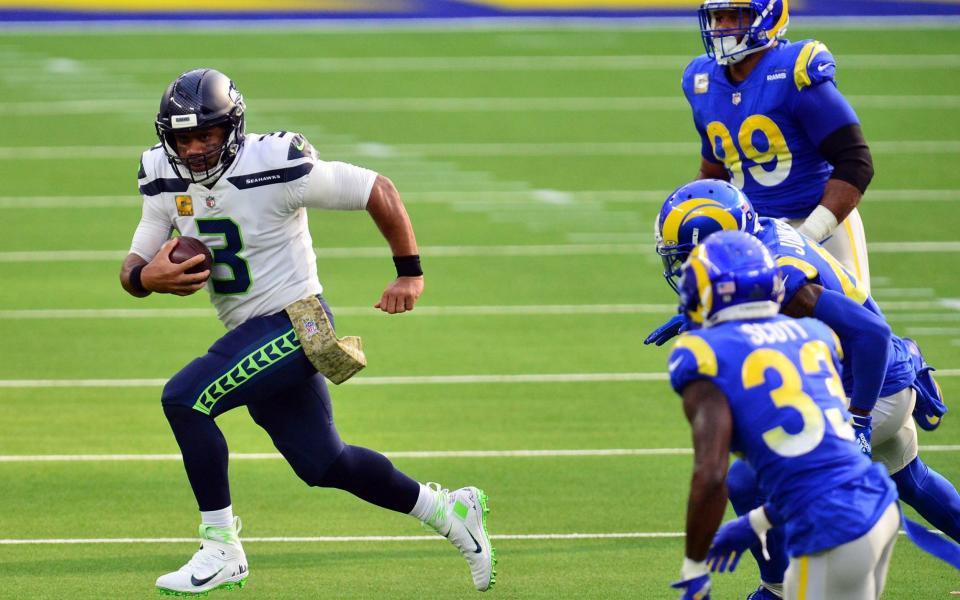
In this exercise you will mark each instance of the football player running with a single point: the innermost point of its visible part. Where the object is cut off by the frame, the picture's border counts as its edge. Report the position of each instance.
(246, 195)
(767, 386)
(816, 285)
(772, 122)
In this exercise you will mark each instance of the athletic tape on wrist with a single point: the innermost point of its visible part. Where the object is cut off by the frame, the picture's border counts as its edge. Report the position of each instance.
(819, 224)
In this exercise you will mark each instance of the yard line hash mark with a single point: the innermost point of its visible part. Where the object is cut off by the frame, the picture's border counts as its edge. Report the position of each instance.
(414, 454)
(363, 538)
(390, 380)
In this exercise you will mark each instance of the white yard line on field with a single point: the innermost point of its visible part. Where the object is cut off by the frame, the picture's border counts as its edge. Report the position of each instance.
(478, 149)
(35, 458)
(351, 538)
(112, 106)
(444, 311)
(385, 380)
(390, 380)
(411, 454)
(357, 311)
(890, 292)
(558, 25)
(635, 62)
(364, 538)
(602, 249)
(912, 247)
(920, 318)
(933, 331)
(467, 198)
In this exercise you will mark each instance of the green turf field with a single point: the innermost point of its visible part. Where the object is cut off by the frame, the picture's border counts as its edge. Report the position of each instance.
(532, 163)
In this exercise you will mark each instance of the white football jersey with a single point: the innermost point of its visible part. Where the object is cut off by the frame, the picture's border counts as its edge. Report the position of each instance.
(254, 219)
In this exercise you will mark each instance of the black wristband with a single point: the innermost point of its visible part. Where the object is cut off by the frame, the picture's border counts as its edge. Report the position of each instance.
(408, 266)
(135, 282)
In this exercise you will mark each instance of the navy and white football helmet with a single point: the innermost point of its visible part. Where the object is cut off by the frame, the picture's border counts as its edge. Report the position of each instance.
(694, 211)
(199, 99)
(730, 276)
(761, 24)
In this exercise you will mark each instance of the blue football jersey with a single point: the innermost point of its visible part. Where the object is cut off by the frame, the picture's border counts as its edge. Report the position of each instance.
(790, 423)
(766, 130)
(803, 261)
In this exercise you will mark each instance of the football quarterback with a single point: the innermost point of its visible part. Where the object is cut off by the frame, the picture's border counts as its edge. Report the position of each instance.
(246, 197)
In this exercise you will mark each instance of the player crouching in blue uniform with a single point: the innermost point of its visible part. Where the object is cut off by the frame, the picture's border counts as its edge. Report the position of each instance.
(767, 387)
(881, 399)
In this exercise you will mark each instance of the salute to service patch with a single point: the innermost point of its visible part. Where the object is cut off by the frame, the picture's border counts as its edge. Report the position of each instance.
(184, 206)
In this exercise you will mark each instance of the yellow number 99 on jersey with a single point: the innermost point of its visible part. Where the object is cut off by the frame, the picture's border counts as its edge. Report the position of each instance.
(760, 142)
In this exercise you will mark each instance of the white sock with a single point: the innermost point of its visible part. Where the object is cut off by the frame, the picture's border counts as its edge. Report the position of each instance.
(426, 507)
(218, 518)
(775, 588)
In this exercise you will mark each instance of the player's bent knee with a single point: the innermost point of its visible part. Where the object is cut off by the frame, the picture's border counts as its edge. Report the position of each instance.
(176, 394)
(910, 479)
(179, 416)
(315, 472)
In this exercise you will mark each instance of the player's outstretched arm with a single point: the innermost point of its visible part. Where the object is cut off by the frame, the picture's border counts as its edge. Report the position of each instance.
(388, 212)
(140, 278)
(863, 334)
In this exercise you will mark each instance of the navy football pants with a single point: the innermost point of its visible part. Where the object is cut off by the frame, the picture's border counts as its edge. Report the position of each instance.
(260, 365)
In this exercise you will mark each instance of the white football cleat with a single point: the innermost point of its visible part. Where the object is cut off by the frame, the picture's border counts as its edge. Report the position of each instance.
(219, 564)
(461, 517)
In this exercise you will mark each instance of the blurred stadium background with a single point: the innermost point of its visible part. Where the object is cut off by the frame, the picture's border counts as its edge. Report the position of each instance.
(533, 142)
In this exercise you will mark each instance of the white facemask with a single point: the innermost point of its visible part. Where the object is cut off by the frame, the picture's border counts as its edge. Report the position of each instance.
(724, 46)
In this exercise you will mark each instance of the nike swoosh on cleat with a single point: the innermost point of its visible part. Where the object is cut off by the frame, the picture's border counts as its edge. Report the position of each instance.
(478, 550)
(198, 582)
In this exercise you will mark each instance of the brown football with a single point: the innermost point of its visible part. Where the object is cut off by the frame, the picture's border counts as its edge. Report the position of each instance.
(188, 247)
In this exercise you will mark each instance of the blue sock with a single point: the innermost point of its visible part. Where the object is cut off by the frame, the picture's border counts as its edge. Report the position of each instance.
(745, 496)
(931, 495)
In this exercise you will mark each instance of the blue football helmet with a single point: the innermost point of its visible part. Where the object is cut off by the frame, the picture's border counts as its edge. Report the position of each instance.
(694, 211)
(756, 24)
(730, 276)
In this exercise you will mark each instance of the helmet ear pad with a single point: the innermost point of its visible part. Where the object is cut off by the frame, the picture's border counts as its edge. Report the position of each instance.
(689, 294)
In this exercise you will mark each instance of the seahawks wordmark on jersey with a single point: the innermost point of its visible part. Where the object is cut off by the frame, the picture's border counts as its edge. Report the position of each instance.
(253, 219)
